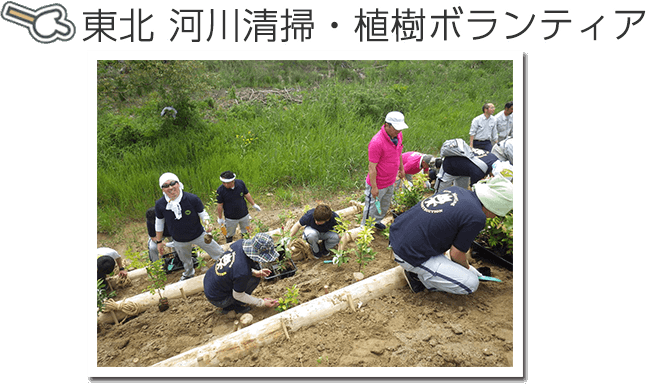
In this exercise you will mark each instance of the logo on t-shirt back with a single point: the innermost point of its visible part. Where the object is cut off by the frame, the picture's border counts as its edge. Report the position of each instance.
(436, 203)
(225, 261)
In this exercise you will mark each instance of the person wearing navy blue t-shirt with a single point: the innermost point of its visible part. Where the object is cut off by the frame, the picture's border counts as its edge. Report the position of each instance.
(447, 221)
(461, 171)
(231, 197)
(230, 282)
(318, 226)
(182, 213)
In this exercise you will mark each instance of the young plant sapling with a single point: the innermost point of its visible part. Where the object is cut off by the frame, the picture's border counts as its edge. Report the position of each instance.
(289, 299)
(102, 296)
(408, 196)
(155, 272)
(340, 254)
(499, 233)
(285, 240)
(363, 250)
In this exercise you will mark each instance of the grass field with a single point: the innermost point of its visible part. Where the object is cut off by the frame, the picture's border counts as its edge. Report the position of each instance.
(279, 125)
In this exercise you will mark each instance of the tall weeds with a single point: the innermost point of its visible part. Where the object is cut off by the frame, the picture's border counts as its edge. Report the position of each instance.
(277, 144)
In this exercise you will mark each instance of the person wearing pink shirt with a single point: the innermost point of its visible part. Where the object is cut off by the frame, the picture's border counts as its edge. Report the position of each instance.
(385, 165)
(414, 162)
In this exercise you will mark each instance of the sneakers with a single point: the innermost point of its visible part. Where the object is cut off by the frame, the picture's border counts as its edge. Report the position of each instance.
(379, 226)
(323, 252)
(237, 309)
(183, 278)
(413, 281)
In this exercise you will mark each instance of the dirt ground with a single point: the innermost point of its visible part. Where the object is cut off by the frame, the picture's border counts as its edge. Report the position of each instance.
(399, 329)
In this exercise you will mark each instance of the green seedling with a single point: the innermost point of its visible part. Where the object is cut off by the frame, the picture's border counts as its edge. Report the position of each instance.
(289, 299)
(103, 296)
(363, 251)
(499, 232)
(157, 276)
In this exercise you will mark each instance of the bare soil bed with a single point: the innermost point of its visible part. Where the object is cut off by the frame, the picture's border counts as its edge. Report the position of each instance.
(400, 329)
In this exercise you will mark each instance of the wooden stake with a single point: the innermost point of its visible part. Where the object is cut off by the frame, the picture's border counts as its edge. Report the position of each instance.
(114, 317)
(350, 302)
(183, 293)
(285, 330)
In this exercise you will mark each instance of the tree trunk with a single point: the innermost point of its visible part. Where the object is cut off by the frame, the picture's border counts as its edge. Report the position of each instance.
(242, 342)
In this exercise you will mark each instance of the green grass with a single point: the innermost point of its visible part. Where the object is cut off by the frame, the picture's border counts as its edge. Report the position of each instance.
(281, 145)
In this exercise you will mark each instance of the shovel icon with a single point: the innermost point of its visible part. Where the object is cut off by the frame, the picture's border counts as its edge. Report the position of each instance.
(45, 25)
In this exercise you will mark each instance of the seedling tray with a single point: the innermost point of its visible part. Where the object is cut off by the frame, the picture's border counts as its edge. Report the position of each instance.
(481, 252)
(276, 270)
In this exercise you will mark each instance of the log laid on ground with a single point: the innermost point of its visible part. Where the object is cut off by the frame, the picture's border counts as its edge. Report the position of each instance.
(352, 234)
(144, 300)
(257, 335)
(139, 273)
(190, 286)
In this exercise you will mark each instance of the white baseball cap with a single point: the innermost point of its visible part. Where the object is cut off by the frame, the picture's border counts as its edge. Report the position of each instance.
(396, 119)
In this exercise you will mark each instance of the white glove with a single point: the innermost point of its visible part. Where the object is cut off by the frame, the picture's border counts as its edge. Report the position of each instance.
(221, 221)
(256, 207)
(284, 241)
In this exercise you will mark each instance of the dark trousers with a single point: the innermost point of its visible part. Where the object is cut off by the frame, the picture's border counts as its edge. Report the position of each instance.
(483, 144)
(229, 300)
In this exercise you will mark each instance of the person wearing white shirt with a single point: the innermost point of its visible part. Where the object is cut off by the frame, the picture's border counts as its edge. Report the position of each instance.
(483, 133)
(505, 122)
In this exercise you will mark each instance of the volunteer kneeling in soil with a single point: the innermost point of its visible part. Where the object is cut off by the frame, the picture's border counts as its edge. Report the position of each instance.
(107, 258)
(448, 220)
(183, 212)
(230, 283)
(318, 226)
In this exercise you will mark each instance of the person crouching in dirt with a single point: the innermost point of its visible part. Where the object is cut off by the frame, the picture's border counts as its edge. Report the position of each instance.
(107, 258)
(448, 220)
(318, 226)
(230, 282)
(231, 197)
(183, 212)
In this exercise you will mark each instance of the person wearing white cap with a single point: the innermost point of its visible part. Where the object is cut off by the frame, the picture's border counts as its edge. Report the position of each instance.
(183, 213)
(385, 165)
(231, 209)
(447, 221)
